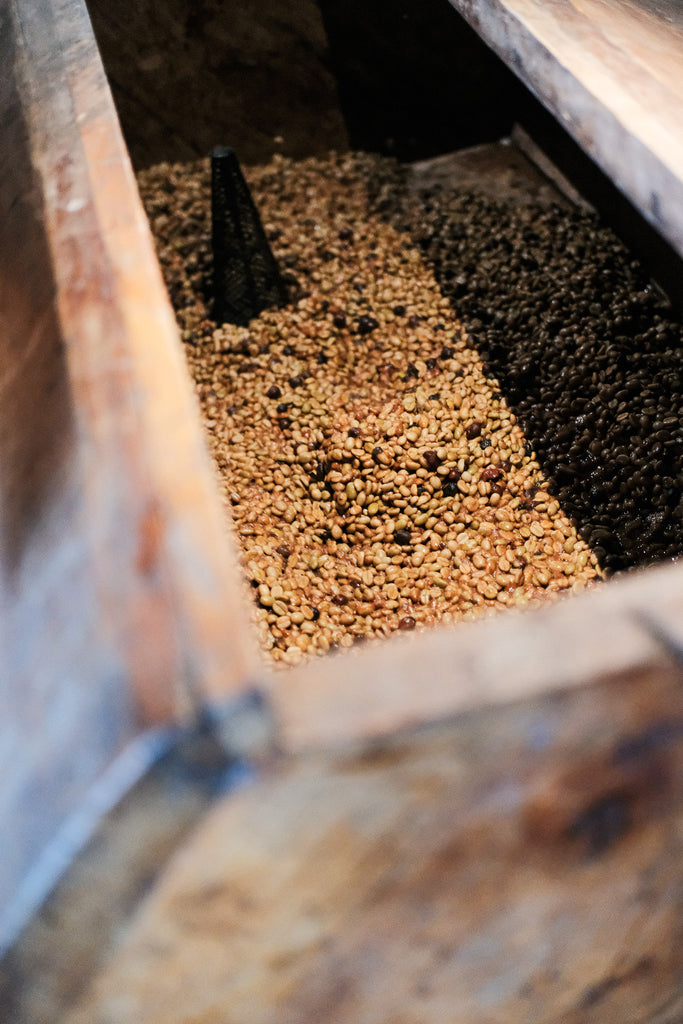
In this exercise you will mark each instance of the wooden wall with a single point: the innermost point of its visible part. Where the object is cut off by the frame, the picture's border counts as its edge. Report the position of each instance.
(189, 74)
(300, 77)
(108, 513)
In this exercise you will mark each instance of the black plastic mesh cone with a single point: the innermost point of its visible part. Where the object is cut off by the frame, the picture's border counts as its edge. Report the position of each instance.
(246, 277)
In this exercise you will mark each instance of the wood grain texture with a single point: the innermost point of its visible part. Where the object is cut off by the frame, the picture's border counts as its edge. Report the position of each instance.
(519, 864)
(119, 588)
(611, 71)
(80, 923)
(181, 587)
(161, 558)
(384, 687)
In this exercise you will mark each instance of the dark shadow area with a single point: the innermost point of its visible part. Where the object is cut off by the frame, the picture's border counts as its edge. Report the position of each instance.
(588, 353)
(663, 263)
(415, 80)
(187, 75)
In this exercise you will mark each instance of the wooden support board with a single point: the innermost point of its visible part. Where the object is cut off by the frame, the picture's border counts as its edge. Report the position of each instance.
(119, 589)
(611, 71)
(515, 864)
(421, 678)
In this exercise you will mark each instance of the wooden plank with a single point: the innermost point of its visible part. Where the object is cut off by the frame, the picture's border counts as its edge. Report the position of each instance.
(52, 651)
(134, 396)
(611, 71)
(167, 577)
(79, 925)
(575, 642)
(119, 589)
(519, 864)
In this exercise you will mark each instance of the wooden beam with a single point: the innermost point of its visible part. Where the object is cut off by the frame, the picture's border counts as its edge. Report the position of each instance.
(120, 594)
(166, 576)
(574, 643)
(611, 71)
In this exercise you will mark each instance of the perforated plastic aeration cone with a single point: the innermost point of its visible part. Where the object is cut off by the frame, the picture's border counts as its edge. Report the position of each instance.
(246, 277)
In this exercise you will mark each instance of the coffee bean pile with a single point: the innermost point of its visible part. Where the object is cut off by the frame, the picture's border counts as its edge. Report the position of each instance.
(373, 471)
(586, 351)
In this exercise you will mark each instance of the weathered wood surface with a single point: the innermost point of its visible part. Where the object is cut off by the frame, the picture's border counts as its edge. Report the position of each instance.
(516, 864)
(81, 922)
(189, 75)
(423, 677)
(611, 71)
(119, 590)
